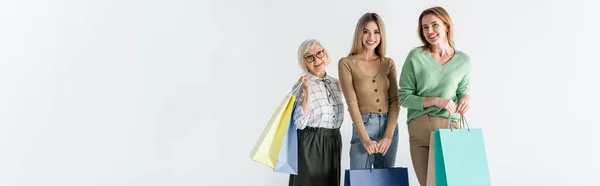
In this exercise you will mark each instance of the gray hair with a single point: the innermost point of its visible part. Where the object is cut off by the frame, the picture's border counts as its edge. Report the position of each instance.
(303, 49)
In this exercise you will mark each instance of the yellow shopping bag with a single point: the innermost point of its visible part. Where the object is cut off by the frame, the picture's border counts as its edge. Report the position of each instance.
(267, 148)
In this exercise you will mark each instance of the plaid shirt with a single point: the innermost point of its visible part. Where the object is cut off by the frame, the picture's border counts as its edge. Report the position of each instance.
(326, 107)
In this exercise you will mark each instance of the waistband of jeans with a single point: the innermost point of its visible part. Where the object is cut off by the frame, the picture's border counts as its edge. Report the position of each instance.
(322, 130)
(373, 114)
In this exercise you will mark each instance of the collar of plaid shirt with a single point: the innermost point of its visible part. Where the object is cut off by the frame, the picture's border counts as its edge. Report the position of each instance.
(326, 81)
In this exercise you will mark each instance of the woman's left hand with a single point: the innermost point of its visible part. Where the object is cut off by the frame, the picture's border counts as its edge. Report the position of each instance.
(463, 104)
(384, 145)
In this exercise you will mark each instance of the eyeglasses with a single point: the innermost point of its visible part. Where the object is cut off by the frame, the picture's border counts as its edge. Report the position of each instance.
(311, 58)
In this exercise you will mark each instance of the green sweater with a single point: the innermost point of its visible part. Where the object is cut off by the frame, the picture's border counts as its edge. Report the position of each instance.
(422, 77)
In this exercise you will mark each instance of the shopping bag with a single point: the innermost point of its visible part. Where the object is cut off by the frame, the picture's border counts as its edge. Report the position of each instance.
(431, 161)
(460, 157)
(287, 162)
(395, 176)
(267, 148)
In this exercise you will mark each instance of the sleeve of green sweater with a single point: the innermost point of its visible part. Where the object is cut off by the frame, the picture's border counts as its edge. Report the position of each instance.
(408, 86)
(463, 86)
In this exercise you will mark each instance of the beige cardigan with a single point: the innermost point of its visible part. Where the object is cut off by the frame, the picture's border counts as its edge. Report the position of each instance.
(364, 94)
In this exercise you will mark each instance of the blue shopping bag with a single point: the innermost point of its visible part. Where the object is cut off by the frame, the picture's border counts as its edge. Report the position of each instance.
(460, 157)
(395, 176)
(287, 162)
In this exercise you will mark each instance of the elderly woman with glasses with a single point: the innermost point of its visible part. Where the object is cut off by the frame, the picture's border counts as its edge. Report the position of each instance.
(318, 117)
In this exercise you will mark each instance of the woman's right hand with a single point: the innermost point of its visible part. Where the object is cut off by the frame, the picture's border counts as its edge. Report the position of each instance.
(447, 104)
(370, 145)
(305, 84)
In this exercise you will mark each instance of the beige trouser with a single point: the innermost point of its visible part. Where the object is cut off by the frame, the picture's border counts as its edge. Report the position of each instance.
(419, 131)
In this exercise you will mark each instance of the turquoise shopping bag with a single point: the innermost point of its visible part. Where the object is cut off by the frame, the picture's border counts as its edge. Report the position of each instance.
(460, 157)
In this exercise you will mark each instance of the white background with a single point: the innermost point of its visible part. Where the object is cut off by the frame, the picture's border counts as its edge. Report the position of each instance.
(157, 93)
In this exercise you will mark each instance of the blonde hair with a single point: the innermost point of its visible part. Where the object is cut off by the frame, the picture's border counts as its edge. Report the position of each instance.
(443, 15)
(357, 45)
(303, 49)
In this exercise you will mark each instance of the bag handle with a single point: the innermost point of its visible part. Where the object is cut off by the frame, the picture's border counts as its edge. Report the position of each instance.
(369, 156)
(296, 88)
(462, 123)
(369, 160)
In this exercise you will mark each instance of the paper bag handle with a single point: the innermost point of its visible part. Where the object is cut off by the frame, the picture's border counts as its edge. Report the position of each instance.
(462, 123)
(369, 160)
(296, 88)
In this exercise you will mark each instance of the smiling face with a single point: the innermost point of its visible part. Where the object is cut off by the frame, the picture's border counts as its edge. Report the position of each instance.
(316, 59)
(434, 29)
(371, 36)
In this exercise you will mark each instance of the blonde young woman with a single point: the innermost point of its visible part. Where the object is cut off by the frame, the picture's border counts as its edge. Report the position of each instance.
(433, 84)
(318, 117)
(369, 84)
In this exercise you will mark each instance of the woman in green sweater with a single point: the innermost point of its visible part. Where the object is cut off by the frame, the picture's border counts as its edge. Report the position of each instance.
(433, 85)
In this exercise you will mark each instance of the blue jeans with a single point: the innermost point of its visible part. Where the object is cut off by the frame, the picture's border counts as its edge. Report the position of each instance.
(375, 125)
